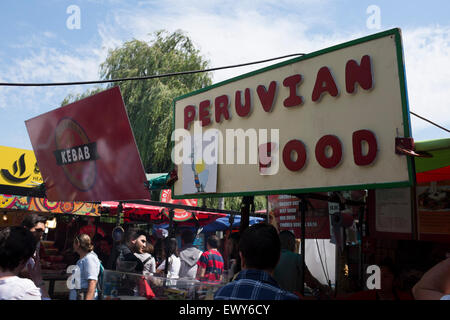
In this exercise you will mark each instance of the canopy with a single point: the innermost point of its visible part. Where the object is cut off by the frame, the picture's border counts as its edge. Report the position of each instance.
(43, 205)
(158, 215)
(221, 224)
(436, 167)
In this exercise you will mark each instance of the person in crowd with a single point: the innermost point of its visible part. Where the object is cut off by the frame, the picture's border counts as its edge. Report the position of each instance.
(17, 245)
(189, 255)
(174, 263)
(435, 283)
(96, 241)
(89, 269)
(134, 242)
(259, 249)
(389, 286)
(288, 271)
(147, 259)
(234, 260)
(36, 225)
(210, 264)
(159, 251)
(106, 244)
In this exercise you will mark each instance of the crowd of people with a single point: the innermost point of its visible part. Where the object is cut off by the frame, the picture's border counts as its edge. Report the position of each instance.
(261, 264)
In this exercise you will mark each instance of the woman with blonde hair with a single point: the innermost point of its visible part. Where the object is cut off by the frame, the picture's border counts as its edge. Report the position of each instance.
(88, 269)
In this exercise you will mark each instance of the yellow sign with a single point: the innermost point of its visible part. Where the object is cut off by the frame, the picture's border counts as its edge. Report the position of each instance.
(18, 168)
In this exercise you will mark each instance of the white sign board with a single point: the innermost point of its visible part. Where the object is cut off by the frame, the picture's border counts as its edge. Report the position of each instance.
(321, 122)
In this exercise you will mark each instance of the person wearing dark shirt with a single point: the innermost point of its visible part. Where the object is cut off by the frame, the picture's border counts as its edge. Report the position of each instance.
(135, 242)
(259, 249)
(289, 269)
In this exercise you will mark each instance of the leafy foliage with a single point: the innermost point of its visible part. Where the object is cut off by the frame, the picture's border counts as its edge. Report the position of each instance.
(234, 203)
(149, 102)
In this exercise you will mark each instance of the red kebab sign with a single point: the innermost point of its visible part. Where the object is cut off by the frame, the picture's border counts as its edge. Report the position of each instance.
(327, 121)
(86, 151)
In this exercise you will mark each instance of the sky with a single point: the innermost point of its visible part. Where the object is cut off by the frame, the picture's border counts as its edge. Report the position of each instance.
(59, 41)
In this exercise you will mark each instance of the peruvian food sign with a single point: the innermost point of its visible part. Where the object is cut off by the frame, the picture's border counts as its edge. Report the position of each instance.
(324, 121)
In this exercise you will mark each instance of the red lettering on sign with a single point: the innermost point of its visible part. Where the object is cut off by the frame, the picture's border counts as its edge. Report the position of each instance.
(336, 146)
(293, 99)
(357, 139)
(189, 116)
(299, 148)
(265, 155)
(221, 108)
(324, 83)
(361, 74)
(267, 97)
(243, 110)
(203, 112)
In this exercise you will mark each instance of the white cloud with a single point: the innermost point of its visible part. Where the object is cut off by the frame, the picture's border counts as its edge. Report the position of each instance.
(427, 63)
(243, 33)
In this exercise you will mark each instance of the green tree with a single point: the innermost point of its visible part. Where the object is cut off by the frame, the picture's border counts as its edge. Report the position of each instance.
(149, 102)
(234, 203)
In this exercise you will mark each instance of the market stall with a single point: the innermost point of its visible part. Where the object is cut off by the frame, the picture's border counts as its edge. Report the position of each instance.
(54, 258)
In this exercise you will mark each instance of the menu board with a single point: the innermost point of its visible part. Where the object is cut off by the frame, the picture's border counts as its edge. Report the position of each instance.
(393, 208)
(288, 217)
(433, 210)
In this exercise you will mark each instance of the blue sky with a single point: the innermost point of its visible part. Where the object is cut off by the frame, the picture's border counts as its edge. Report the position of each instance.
(37, 45)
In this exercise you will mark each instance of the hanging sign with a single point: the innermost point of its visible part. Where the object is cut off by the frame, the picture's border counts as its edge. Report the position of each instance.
(324, 121)
(288, 217)
(18, 168)
(86, 151)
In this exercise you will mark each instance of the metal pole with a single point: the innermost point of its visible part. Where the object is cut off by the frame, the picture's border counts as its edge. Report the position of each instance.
(245, 213)
(119, 213)
(166, 268)
(303, 209)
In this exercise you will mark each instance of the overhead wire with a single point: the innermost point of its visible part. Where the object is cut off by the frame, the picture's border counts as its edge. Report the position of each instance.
(433, 123)
(170, 74)
(326, 263)
(48, 84)
(321, 262)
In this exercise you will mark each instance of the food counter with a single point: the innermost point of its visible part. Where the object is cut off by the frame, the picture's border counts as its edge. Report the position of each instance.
(130, 286)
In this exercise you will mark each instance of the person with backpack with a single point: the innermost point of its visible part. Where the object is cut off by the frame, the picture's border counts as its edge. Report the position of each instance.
(145, 255)
(89, 270)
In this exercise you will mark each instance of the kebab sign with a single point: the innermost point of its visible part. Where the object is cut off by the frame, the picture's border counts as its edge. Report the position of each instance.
(321, 122)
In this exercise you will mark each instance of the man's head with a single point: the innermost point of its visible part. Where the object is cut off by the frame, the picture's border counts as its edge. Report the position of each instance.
(17, 245)
(136, 240)
(287, 240)
(187, 237)
(212, 242)
(35, 224)
(259, 247)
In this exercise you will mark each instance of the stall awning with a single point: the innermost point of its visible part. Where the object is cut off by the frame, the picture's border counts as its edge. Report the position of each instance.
(223, 223)
(436, 167)
(154, 214)
(42, 205)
